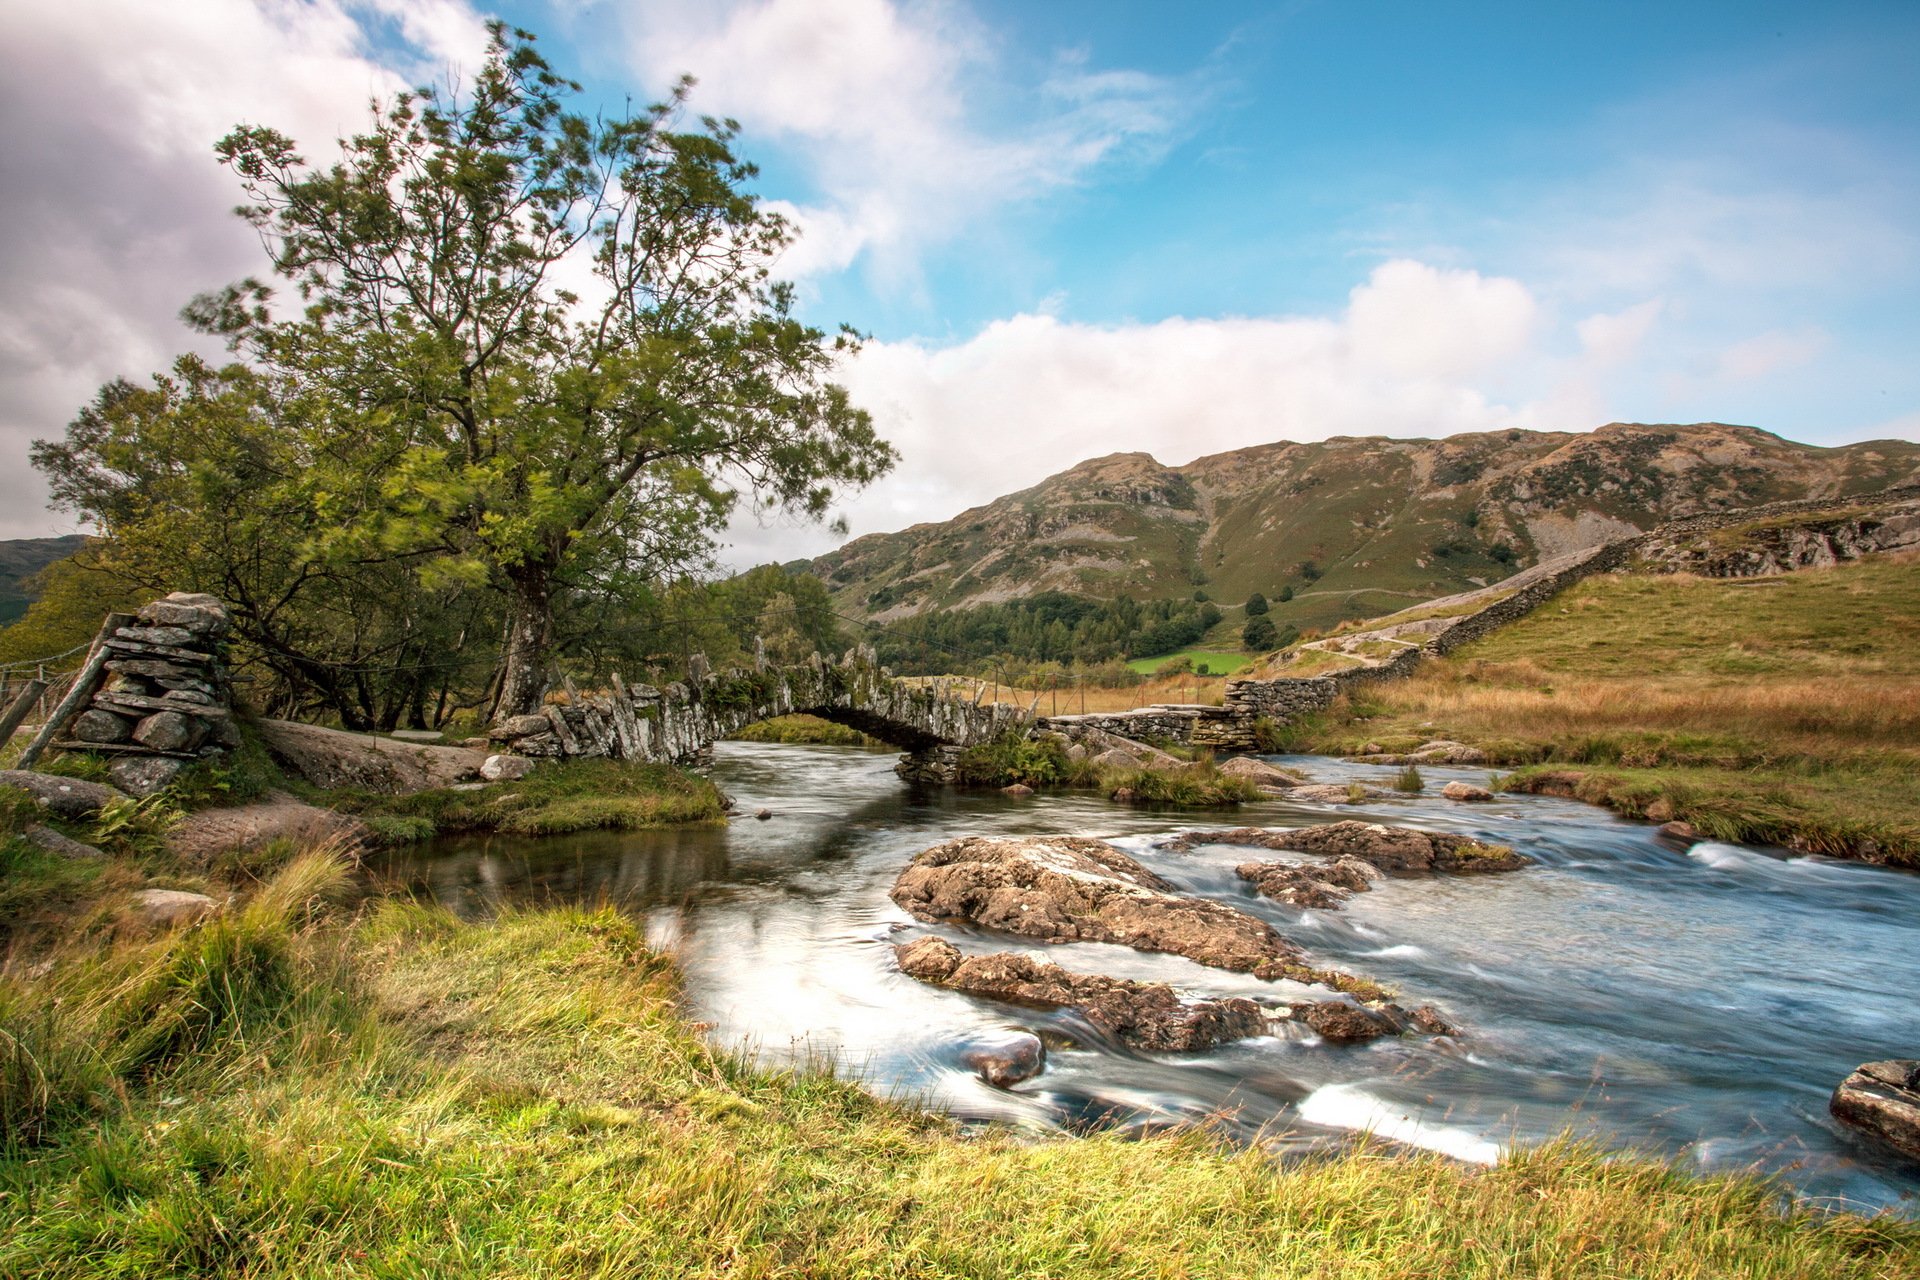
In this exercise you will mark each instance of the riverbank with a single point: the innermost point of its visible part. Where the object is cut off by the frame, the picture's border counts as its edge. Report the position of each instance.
(305, 1087)
(1778, 710)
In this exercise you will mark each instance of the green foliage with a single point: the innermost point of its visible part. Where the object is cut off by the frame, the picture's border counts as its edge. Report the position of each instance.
(1256, 605)
(1260, 635)
(443, 434)
(1048, 627)
(806, 729)
(1286, 593)
(1013, 759)
(1409, 781)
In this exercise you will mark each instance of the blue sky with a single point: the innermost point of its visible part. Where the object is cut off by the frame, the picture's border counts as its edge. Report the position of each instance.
(1073, 228)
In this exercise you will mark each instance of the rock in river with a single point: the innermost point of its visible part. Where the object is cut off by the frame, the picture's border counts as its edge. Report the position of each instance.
(1882, 1100)
(1005, 1060)
(1326, 884)
(1146, 1015)
(1388, 848)
(1075, 889)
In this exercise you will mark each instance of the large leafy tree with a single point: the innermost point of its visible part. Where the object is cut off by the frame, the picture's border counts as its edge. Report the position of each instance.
(551, 340)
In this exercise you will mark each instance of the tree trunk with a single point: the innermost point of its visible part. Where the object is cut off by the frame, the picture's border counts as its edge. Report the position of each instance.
(524, 672)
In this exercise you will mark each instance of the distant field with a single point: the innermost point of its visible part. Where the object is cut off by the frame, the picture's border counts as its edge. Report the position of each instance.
(1218, 663)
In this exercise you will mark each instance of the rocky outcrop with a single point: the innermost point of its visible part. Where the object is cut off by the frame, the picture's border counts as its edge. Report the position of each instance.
(1786, 543)
(166, 700)
(69, 798)
(335, 759)
(1323, 884)
(207, 833)
(1151, 1015)
(1261, 774)
(1391, 849)
(1882, 1100)
(1145, 1015)
(1075, 889)
(1439, 751)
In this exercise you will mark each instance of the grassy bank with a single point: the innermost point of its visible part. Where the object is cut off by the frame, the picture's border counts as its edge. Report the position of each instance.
(810, 730)
(556, 798)
(300, 1090)
(1781, 709)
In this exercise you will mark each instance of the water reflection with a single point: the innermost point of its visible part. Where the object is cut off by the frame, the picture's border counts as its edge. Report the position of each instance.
(1698, 1003)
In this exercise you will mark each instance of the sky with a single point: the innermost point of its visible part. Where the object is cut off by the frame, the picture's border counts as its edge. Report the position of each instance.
(1071, 229)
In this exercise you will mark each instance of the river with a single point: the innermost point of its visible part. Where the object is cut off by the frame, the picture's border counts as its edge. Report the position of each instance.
(1699, 1004)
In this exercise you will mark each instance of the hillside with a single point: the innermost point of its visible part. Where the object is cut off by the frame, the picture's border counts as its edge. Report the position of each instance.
(1356, 526)
(20, 559)
(1783, 708)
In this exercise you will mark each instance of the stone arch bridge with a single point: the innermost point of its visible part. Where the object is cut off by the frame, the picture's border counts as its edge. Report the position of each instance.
(680, 722)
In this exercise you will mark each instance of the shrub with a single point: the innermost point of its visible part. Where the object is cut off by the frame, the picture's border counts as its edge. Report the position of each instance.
(1005, 761)
(1256, 605)
(1286, 593)
(1409, 781)
(1260, 635)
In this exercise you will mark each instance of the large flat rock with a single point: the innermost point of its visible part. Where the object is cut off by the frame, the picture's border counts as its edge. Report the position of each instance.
(333, 758)
(1882, 1100)
(207, 833)
(1075, 889)
(62, 797)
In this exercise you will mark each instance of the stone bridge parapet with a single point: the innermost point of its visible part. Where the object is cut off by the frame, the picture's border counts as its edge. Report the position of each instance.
(680, 722)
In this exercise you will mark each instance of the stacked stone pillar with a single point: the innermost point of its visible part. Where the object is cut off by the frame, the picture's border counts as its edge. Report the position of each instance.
(166, 700)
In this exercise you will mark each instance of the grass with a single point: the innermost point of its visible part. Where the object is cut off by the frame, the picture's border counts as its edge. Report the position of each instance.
(301, 1091)
(1778, 710)
(806, 729)
(1044, 764)
(1217, 662)
(556, 798)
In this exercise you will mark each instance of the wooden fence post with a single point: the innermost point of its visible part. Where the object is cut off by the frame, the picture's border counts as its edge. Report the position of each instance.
(17, 709)
(78, 694)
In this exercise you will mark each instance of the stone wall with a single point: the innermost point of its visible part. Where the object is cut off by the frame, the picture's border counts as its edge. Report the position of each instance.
(166, 699)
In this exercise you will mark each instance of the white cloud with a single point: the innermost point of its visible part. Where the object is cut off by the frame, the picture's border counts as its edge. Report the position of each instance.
(887, 103)
(1768, 353)
(1609, 339)
(114, 207)
(1032, 395)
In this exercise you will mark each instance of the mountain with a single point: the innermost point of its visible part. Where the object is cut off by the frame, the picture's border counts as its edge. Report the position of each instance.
(1357, 526)
(20, 559)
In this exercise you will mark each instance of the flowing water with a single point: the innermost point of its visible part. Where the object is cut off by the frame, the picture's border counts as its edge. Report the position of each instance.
(1694, 1003)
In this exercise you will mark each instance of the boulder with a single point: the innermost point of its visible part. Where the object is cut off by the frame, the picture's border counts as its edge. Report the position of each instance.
(169, 907)
(502, 767)
(144, 775)
(1006, 1060)
(1387, 848)
(170, 731)
(1076, 889)
(1259, 772)
(1018, 789)
(1681, 831)
(1310, 884)
(1466, 793)
(1882, 1100)
(44, 837)
(1114, 758)
(206, 833)
(96, 725)
(62, 797)
(333, 758)
(1145, 1015)
(1446, 751)
(762, 815)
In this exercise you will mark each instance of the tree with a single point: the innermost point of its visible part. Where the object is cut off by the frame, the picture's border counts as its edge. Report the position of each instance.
(1256, 605)
(527, 437)
(1286, 593)
(1260, 635)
